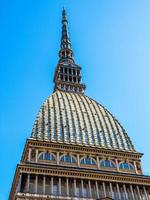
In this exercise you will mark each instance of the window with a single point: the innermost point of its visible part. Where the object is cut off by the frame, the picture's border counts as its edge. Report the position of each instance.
(70, 78)
(125, 165)
(88, 161)
(68, 158)
(31, 184)
(107, 163)
(61, 77)
(65, 70)
(61, 70)
(55, 186)
(63, 54)
(66, 78)
(46, 156)
(69, 71)
(74, 79)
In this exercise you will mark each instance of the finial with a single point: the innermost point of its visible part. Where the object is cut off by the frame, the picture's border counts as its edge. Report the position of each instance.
(64, 15)
(66, 53)
(63, 11)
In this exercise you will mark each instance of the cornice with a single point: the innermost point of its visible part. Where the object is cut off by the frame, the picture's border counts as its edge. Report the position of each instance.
(85, 174)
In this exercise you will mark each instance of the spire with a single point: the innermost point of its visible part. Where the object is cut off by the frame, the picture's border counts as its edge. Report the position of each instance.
(65, 53)
(67, 74)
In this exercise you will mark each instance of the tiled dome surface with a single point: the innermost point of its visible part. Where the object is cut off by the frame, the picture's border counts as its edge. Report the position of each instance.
(73, 118)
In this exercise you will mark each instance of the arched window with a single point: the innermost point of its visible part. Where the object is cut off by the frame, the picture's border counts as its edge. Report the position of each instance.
(107, 163)
(47, 156)
(68, 158)
(88, 161)
(125, 165)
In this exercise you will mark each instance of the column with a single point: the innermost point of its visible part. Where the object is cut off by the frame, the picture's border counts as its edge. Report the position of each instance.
(36, 184)
(138, 191)
(29, 155)
(36, 155)
(90, 192)
(117, 165)
(19, 183)
(97, 158)
(52, 183)
(78, 160)
(28, 183)
(75, 187)
(125, 191)
(67, 186)
(132, 193)
(49, 187)
(104, 189)
(111, 189)
(76, 72)
(76, 80)
(97, 190)
(82, 188)
(57, 158)
(145, 193)
(59, 186)
(44, 184)
(118, 190)
(135, 167)
(59, 77)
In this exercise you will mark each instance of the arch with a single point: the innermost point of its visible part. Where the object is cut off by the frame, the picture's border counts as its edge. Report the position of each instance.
(107, 163)
(68, 158)
(125, 165)
(47, 156)
(88, 161)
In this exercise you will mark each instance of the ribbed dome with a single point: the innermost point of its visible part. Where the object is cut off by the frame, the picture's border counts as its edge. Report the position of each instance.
(73, 118)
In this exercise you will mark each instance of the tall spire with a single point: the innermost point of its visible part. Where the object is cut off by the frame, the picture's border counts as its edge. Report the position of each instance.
(65, 53)
(67, 74)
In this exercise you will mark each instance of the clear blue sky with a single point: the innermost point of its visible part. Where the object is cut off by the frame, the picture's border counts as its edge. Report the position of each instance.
(111, 41)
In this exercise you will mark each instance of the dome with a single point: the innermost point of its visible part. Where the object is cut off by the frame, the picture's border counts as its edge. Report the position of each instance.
(73, 118)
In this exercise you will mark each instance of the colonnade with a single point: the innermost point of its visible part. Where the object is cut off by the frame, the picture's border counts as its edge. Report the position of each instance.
(70, 71)
(60, 186)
